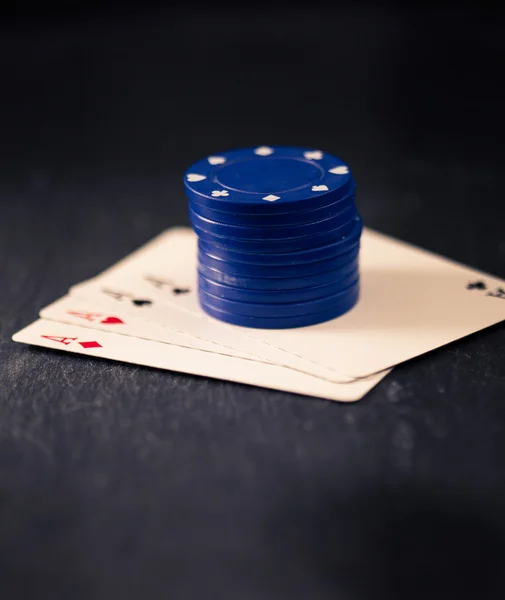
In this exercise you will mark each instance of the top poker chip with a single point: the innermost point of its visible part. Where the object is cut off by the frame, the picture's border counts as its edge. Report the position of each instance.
(267, 180)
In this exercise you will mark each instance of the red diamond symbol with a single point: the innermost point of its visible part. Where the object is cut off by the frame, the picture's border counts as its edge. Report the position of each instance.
(90, 344)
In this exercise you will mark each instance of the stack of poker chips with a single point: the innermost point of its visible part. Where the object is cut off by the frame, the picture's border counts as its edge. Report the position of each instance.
(278, 236)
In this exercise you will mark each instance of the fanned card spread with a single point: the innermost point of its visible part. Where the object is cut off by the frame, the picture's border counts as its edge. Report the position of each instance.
(145, 310)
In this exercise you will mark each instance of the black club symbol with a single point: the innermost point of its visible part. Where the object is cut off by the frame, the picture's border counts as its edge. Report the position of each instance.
(142, 302)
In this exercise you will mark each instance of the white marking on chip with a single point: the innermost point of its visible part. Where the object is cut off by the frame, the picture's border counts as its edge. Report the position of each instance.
(313, 154)
(342, 170)
(271, 198)
(195, 177)
(216, 160)
(264, 151)
(320, 188)
(217, 193)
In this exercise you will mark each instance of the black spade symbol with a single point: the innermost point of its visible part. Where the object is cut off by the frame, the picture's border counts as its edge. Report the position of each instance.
(476, 285)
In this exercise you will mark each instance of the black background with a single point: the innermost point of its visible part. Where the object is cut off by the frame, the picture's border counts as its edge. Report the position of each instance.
(125, 482)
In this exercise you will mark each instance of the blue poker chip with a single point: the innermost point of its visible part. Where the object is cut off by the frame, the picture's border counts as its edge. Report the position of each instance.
(309, 255)
(282, 245)
(276, 296)
(306, 320)
(274, 233)
(276, 219)
(274, 311)
(278, 236)
(284, 179)
(278, 283)
(268, 271)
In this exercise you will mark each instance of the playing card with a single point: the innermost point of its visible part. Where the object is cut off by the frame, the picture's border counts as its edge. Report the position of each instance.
(84, 340)
(412, 301)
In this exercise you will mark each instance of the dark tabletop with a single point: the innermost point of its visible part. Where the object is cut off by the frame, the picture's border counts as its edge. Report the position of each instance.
(124, 482)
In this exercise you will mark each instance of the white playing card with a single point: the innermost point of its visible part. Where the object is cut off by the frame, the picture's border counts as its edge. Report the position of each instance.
(412, 301)
(83, 340)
